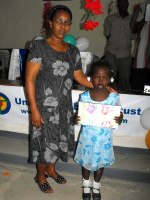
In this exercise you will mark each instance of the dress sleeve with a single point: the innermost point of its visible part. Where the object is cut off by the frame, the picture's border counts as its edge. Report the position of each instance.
(84, 97)
(118, 103)
(35, 52)
(78, 63)
(80, 97)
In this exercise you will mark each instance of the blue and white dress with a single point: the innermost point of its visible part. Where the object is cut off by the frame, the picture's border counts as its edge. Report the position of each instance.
(95, 146)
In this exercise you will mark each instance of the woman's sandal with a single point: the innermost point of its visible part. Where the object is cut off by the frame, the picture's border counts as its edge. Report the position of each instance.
(86, 184)
(96, 186)
(59, 179)
(45, 187)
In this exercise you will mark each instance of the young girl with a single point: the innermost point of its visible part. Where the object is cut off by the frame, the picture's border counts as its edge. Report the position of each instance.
(95, 149)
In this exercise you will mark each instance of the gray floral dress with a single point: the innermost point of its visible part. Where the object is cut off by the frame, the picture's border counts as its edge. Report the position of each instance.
(55, 139)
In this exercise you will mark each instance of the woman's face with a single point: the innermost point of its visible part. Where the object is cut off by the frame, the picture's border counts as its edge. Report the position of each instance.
(101, 78)
(60, 24)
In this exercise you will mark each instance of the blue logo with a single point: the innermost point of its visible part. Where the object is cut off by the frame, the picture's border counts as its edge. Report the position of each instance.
(5, 104)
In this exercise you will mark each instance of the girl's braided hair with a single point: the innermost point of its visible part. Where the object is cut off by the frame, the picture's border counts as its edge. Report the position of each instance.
(100, 65)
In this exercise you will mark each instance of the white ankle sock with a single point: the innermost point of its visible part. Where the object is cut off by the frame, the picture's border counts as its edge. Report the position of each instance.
(86, 190)
(86, 184)
(95, 191)
(96, 187)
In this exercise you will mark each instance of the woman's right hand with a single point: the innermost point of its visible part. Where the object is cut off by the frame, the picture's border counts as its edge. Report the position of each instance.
(36, 119)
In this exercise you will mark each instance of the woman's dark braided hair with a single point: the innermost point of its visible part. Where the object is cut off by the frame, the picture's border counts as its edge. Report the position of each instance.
(56, 8)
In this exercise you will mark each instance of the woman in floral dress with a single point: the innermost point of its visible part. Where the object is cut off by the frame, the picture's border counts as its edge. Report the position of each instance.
(51, 67)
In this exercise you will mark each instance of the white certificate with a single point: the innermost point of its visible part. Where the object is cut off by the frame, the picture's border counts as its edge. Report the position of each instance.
(98, 115)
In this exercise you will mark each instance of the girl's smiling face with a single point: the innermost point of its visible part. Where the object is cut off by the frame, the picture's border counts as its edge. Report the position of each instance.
(101, 78)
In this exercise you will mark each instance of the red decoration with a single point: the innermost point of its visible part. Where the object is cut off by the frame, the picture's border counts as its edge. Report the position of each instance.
(45, 24)
(94, 7)
(90, 25)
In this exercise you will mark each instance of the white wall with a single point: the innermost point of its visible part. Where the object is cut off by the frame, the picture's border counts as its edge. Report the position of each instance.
(21, 20)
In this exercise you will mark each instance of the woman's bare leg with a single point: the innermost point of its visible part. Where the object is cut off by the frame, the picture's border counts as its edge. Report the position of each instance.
(41, 169)
(50, 170)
